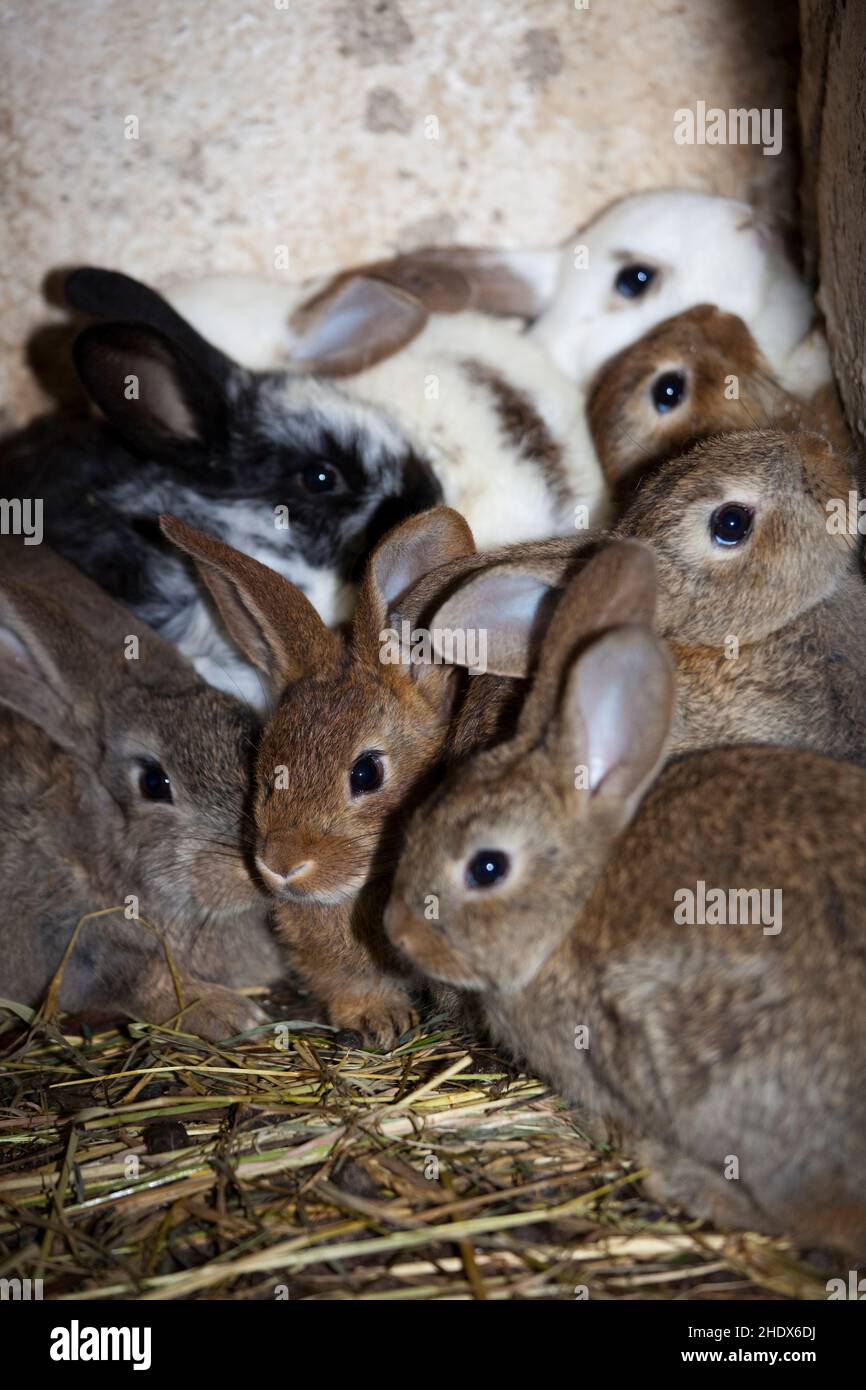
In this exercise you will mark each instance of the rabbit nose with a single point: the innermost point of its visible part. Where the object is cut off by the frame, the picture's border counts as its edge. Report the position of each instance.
(278, 878)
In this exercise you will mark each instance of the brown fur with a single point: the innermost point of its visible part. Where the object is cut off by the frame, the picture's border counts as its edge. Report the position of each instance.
(704, 1041)
(338, 699)
(708, 347)
(792, 596)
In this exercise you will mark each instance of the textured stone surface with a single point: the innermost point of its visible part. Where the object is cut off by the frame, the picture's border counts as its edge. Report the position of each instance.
(304, 123)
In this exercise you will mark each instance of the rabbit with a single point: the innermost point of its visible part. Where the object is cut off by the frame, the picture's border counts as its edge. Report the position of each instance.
(697, 374)
(638, 261)
(654, 254)
(760, 592)
(508, 445)
(124, 785)
(554, 875)
(355, 734)
(285, 466)
(499, 431)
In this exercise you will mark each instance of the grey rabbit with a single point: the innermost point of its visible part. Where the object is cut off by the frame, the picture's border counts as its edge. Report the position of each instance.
(124, 785)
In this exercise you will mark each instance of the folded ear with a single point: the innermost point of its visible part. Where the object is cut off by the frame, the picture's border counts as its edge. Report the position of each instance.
(49, 666)
(158, 396)
(407, 554)
(615, 715)
(352, 324)
(446, 279)
(271, 620)
(44, 572)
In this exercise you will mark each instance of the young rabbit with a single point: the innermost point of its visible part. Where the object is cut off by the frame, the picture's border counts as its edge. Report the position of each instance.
(544, 876)
(356, 731)
(644, 258)
(285, 467)
(124, 783)
(694, 375)
(761, 592)
(655, 254)
(497, 430)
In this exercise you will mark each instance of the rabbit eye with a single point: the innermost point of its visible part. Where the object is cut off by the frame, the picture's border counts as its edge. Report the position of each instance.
(154, 783)
(668, 391)
(320, 477)
(367, 774)
(487, 867)
(731, 524)
(634, 280)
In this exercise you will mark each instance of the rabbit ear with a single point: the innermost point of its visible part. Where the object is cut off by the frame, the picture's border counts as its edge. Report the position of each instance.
(615, 715)
(617, 586)
(352, 324)
(159, 397)
(508, 605)
(271, 620)
(109, 294)
(108, 622)
(49, 666)
(409, 552)
(446, 279)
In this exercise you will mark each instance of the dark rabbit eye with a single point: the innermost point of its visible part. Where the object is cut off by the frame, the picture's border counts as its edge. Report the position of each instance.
(320, 477)
(367, 774)
(154, 783)
(487, 867)
(668, 391)
(731, 524)
(634, 280)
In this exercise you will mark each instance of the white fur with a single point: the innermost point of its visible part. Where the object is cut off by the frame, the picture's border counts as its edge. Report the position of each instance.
(504, 498)
(711, 250)
(454, 420)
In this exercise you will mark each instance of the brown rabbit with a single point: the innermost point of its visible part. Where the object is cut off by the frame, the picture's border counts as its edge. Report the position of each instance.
(544, 876)
(761, 592)
(124, 783)
(350, 744)
(694, 375)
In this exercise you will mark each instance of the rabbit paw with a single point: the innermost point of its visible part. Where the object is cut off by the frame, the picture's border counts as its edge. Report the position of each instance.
(378, 1019)
(221, 1013)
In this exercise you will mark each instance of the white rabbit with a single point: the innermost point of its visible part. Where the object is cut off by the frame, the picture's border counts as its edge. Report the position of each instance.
(644, 258)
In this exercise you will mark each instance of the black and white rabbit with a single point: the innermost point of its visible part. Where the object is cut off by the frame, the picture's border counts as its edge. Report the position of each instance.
(289, 467)
(283, 466)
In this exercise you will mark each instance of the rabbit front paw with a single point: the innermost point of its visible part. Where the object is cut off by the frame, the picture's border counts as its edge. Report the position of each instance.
(379, 1018)
(219, 1013)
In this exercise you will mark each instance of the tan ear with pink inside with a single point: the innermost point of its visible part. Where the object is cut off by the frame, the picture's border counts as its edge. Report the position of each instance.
(615, 715)
(352, 324)
(272, 621)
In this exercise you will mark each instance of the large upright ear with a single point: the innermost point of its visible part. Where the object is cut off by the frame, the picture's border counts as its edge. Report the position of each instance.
(617, 586)
(109, 294)
(158, 396)
(409, 553)
(509, 606)
(352, 324)
(271, 620)
(615, 715)
(49, 666)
